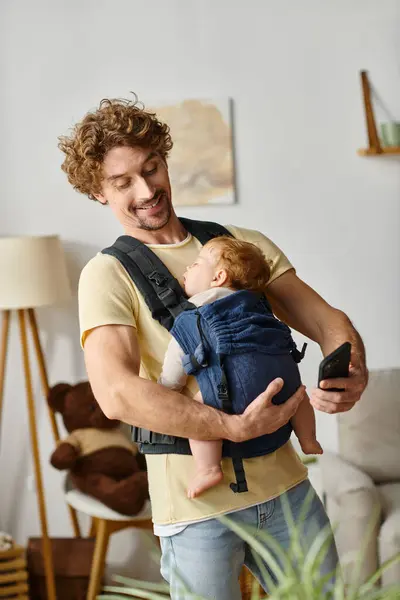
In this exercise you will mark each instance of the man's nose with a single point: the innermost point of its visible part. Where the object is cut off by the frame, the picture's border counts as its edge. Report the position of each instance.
(144, 190)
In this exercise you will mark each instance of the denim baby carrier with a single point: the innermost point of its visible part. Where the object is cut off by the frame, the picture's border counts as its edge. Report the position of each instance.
(234, 346)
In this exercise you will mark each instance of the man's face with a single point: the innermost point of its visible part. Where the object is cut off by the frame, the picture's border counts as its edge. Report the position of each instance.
(136, 186)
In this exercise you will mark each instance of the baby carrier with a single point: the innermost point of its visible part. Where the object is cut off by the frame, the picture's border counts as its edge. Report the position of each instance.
(234, 346)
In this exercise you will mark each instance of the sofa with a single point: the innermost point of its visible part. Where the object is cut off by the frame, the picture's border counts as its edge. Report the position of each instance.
(362, 481)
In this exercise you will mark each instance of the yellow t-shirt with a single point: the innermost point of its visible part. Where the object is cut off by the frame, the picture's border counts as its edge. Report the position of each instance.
(107, 296)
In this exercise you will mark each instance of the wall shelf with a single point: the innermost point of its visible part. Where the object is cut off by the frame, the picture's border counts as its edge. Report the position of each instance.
(375, 152)
(374, 144)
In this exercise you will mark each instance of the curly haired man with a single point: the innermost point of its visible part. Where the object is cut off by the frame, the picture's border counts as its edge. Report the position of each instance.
(117, 155)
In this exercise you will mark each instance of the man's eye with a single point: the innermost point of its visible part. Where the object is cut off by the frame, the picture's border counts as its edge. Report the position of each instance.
(124, 186)
(151, 172)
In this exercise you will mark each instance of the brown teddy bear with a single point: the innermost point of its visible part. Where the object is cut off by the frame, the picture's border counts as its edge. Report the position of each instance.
(102, 462)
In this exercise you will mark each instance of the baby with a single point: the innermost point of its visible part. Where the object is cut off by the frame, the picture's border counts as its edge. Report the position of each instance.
(224, 266)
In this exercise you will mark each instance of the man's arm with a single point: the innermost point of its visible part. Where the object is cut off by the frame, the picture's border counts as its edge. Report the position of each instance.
(298, 305)
(112, 359)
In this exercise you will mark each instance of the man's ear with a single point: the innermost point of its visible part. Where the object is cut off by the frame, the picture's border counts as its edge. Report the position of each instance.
(100, 198)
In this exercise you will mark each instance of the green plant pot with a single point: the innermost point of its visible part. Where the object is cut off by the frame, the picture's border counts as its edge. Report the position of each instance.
(390, 133)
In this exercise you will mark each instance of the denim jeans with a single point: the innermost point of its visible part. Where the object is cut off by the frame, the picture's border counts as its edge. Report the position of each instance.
(208, 556)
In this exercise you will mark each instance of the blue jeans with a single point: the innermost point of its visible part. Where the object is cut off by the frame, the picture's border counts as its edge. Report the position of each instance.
(208, 556)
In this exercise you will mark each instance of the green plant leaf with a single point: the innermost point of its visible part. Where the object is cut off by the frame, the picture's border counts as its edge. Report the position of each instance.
(113, 597)
(135, 592)
(270, 584)
(150, 586)
(377, 575)
(354, 586)
(254, 543)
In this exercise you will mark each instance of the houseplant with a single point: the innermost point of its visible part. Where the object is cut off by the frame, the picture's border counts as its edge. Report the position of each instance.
(296, 573)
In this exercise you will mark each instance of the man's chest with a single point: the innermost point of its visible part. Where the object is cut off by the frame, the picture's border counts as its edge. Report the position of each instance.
(178, 259)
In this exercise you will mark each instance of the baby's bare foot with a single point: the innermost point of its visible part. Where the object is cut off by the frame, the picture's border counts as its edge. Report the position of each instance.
(311, 446)
(203, 480)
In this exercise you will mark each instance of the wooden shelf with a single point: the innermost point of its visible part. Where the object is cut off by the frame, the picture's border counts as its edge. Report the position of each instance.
(375, 148)
(374, 152)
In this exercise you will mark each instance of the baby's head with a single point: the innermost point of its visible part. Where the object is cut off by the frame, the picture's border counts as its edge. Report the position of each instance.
(227, 262)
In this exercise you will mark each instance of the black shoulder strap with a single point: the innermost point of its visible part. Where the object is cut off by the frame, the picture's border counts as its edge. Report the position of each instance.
(227, 406)
(161, 291)
(204, 231)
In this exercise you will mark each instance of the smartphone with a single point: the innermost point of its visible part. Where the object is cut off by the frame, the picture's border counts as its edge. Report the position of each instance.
(335, 365)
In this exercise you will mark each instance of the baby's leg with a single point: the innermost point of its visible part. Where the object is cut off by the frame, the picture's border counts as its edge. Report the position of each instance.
(303, 424)
(207, 460)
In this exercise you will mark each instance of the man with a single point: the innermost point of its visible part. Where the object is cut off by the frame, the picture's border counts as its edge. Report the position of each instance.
(117, 156)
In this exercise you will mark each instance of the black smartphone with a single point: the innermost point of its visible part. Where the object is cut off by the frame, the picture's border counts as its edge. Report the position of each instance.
(335, 365)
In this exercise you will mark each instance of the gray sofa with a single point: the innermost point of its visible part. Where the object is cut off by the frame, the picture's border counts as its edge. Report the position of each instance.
(362, 482)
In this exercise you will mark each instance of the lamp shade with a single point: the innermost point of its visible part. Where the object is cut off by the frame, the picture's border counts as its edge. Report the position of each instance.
(33, 272)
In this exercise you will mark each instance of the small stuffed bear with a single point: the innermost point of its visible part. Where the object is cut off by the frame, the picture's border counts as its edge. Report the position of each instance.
(6, 541)
(101, 460)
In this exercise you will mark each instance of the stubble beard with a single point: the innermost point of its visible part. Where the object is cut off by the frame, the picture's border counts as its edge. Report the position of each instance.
(159, 222)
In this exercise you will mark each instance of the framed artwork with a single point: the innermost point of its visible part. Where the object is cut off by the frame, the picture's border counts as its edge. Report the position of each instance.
(201, 161)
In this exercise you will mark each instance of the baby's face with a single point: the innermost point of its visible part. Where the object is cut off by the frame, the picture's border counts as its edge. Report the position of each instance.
(202, 274)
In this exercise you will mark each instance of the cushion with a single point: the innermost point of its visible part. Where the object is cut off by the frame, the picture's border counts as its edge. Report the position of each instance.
(389, 535)
(340, 477)
(369, 434)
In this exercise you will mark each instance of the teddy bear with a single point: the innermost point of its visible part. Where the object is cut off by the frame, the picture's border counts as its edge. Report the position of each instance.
(101, 460)
(6, 541)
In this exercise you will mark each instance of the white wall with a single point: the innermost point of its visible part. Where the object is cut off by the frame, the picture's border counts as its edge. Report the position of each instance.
(292, 70)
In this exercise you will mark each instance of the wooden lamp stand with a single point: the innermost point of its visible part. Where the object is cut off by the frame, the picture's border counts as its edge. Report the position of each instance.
(33, 273)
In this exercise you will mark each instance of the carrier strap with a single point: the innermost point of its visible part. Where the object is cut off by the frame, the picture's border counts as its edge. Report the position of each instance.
(227, 406)
(298, 355)
(161, 291)
(204, 231)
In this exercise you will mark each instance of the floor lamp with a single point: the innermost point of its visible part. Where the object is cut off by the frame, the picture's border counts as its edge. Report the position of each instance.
(32, 274)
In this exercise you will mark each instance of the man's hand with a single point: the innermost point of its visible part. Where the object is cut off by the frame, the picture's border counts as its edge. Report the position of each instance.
(261, 416)
(337, 402)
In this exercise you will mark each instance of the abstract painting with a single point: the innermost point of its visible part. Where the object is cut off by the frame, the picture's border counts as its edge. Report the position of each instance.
(201, 161)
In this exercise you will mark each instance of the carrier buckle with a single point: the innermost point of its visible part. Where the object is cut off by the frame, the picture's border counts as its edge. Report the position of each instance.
(158, 279)
(222, 391)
